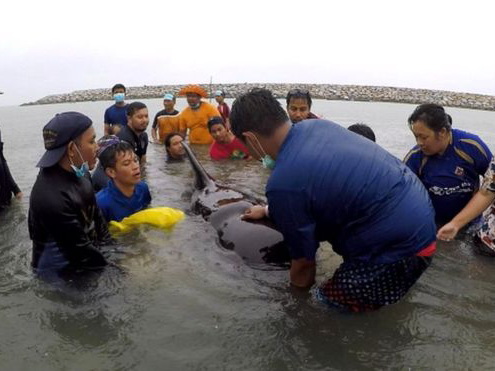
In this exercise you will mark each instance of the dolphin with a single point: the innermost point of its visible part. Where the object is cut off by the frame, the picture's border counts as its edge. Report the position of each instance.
(257, 242)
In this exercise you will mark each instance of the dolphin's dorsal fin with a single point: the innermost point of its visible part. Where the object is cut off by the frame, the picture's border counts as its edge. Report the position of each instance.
(203, 179)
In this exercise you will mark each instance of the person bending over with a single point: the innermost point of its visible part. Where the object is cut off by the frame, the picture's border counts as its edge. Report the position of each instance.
(65, 224)
(226, 145)
(126, 193)
(330, 185)
(449, 162)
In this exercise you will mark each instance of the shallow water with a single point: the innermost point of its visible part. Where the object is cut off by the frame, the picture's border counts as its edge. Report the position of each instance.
(185, 303)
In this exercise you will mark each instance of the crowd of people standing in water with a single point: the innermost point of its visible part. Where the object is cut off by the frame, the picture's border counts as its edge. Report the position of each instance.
(381, 214)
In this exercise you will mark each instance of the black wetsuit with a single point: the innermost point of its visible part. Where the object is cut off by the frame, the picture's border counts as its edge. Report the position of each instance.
(65, 223)
(8, 186)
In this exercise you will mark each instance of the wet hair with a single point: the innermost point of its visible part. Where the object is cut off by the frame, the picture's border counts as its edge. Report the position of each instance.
(169, 137)
(134, 107)
(118, 86)
(433, 115)
(258, 111)
(108, 158)
(215, 120)
(299, 94)
(364, 130)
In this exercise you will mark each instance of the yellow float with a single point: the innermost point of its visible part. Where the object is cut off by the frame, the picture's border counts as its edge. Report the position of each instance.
(159, 217)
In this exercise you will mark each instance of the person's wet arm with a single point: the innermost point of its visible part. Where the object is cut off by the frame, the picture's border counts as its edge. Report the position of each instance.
(291, 212)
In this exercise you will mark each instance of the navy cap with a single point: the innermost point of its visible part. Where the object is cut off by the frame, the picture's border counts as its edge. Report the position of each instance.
(59, 131)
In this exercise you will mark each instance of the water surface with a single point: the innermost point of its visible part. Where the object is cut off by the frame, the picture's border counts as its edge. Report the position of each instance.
(185, 303)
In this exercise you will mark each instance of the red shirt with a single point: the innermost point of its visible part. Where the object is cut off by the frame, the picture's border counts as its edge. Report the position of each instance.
(224, 111)
(233, 150)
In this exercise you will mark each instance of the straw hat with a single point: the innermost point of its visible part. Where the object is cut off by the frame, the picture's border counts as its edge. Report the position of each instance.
(193, 89)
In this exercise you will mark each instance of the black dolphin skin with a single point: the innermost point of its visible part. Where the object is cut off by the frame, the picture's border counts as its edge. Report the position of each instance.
(259, 244)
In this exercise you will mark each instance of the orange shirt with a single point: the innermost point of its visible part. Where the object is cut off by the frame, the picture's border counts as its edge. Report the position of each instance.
(197, 122)
(167, 124)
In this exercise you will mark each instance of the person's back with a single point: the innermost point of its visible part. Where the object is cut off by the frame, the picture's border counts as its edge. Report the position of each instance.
(379, 212)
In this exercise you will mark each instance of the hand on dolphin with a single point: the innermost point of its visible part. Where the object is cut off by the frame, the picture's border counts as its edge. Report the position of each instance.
(255, 212)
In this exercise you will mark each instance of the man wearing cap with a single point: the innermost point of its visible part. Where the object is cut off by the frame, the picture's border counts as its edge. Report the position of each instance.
(65, 224)
(195, 117)
(169, 110)
(222, 107)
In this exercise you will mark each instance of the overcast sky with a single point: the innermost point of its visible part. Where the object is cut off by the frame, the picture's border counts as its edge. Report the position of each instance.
(49, 47)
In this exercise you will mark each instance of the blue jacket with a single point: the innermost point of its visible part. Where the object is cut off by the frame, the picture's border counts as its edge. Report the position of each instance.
(453, 177)
(116, 206)
(330, 184)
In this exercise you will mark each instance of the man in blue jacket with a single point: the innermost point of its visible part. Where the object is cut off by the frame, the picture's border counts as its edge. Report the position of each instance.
(329, 184)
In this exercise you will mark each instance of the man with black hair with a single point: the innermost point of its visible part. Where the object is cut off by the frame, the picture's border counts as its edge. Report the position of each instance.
(135, 130)
(116, 115)
(8, 186)
(173, 146)
(364, 130)
(331, 185)
(299, 105)
(126, 193)
(65, 224)
(162, 118)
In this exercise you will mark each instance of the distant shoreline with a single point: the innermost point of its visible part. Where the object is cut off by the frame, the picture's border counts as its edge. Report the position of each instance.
(362, 93)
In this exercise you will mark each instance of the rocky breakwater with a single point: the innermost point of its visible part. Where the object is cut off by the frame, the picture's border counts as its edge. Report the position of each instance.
(318, 91)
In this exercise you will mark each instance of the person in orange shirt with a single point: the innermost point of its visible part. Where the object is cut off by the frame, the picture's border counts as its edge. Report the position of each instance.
(195, 117)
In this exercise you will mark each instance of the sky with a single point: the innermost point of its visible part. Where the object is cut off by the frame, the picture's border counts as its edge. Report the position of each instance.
(52, 47)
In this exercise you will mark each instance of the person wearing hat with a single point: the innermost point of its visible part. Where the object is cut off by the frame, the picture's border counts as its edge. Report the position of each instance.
(65, 224)
(222, 107)
(169, 110)
(8, 186)
(195, 117)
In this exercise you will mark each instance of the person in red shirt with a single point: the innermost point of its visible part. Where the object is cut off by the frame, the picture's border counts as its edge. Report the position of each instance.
(222, 107)
(225, 145)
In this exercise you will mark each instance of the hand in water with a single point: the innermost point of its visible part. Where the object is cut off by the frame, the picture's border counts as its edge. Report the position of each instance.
(447, 232)
(255, 212)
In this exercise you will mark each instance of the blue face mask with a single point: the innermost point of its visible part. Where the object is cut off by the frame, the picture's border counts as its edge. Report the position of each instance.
(83, 169)
(119, 97)
(268, 162)
(195, 106)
